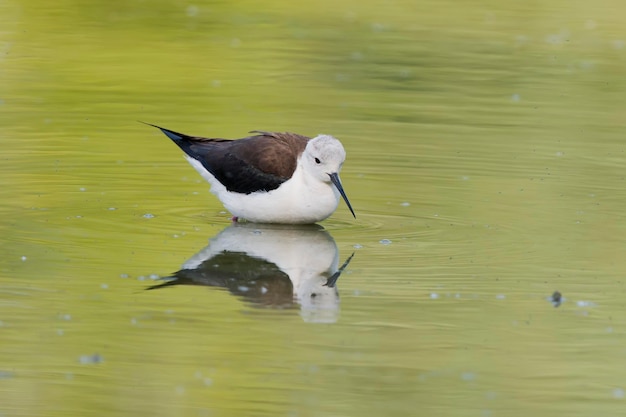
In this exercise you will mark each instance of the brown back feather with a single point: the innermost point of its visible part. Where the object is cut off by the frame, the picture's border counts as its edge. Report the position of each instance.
(260, 162)
(273, 153)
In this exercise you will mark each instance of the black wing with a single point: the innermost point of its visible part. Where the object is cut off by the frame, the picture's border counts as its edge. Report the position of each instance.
(256, 163)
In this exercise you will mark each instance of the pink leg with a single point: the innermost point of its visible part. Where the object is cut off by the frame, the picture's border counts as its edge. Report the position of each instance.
(234, 219)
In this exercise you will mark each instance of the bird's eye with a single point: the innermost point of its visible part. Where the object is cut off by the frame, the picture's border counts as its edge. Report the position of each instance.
(317, 161)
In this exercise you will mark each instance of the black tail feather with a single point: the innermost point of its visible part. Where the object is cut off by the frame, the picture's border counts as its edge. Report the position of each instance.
(175, 136)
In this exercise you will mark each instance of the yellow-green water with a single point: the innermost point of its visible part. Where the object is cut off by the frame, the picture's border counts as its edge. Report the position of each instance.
(485, 147)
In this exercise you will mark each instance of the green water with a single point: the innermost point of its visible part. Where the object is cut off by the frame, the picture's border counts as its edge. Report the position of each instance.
(485, 146)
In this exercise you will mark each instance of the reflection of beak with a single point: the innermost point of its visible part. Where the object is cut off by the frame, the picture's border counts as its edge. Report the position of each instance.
(334, 177)
(330, 282)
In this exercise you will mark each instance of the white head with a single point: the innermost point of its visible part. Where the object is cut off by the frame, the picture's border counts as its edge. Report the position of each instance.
(318, 303)
(322, 158)
(323, 155)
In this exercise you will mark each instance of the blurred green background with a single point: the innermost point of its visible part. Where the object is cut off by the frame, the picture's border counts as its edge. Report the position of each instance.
(485, 146)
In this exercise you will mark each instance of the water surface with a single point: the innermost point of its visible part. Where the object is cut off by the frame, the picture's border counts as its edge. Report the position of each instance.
(485, 163)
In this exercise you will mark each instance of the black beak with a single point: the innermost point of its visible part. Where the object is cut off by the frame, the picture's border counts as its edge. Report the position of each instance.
(334, 177)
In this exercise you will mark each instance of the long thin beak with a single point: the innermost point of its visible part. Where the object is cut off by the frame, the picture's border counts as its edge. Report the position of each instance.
(334, 177)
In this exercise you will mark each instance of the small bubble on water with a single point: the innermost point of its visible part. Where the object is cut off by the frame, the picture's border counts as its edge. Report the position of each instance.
(208, 382)
(356, 56)
(357, 246)
(112, 208)
(82, 189)
(618, 393)
(434, 295)
(556, 39)
(133, 321)
(405, 204)
(154, 276)
(192, 10)
(515, 98)
(378, 27)
(66, 317)
(243, 288)
(104, 286)
(148, 216)
(468, 376)
(618, 44)
(559, 153)
(23, 258)
(60, 332)
(91, 359)
(583, 303)
(500, 296)
(385, 242)
(123, 275)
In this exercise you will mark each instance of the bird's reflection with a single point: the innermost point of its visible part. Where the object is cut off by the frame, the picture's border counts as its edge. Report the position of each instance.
(274, 266)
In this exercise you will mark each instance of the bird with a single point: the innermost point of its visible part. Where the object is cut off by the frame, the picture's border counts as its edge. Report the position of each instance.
(270, 177)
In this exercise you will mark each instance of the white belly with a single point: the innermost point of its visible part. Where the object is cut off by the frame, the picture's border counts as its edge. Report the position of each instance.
(299, 200)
